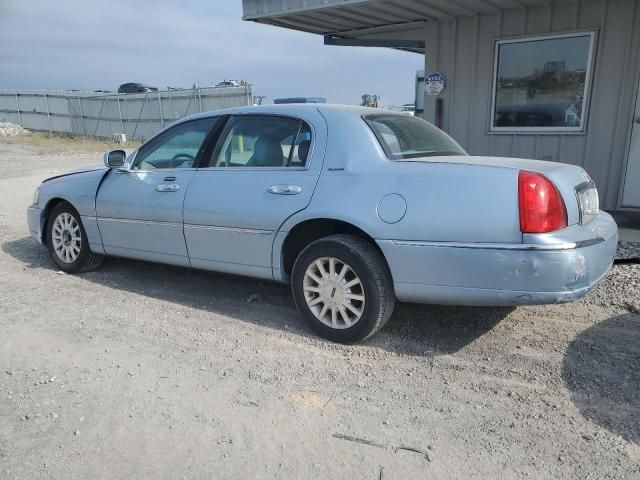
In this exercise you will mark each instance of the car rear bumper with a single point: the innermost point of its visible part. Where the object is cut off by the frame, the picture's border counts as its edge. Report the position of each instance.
(34, 220)
(550, 268)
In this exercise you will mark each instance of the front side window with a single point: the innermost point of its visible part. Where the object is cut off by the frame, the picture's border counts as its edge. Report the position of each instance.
(405, 136)
(541, 83)
(177, 147)
(264, 141)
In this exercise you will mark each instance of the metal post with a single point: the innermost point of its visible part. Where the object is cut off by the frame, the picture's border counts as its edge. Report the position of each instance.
(84, 127)
(186, 112)
(95, 132)
(46, 102)
(18, 105)
(133, 135)
(173, 110)
(199, 99)
(120, 113)
(161, 114)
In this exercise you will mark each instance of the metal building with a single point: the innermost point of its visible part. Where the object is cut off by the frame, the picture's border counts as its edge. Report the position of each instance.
(549, 79)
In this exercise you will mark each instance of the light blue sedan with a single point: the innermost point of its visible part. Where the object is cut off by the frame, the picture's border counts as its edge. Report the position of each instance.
(353, 207)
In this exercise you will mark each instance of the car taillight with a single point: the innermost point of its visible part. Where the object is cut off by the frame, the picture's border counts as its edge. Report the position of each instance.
(542, 209)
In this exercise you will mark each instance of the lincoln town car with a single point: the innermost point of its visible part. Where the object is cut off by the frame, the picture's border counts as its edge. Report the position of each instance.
(355, 208)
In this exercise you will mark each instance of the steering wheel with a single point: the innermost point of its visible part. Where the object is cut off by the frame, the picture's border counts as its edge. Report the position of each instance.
(181, 155)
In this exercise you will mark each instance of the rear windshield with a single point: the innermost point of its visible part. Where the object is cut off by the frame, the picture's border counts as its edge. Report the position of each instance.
(405, 136)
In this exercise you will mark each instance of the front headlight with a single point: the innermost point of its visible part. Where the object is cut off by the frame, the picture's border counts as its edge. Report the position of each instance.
(589, 203)
(36, 196)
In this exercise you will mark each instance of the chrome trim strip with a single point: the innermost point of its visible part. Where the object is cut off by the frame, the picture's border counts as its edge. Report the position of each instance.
(252, 231)
(254, 169)
(503, 246)
(157, 170)
(588, 243)
(131, 220)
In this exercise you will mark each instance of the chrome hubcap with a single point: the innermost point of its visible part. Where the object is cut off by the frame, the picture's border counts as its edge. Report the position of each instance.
(66, 237)
(333, 292)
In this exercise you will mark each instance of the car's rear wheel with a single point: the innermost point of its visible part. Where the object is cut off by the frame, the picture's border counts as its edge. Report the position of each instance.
(343, 288)
(67, 241)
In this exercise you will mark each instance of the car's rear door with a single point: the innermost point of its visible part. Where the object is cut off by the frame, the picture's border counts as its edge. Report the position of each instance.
(139, 210)
(263, 170)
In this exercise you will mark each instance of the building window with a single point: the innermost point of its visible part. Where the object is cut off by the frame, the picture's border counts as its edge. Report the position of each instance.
(541, 84)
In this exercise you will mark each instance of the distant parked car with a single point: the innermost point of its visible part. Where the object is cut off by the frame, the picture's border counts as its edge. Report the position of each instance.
(229, 83)
(135, 88)
(354, 207)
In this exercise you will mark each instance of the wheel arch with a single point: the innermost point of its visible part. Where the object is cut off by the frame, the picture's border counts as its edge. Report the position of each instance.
(46, 211)
(310, 230)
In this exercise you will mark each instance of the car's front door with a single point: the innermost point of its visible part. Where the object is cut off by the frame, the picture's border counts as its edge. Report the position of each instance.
(139, 210)
(263, 170)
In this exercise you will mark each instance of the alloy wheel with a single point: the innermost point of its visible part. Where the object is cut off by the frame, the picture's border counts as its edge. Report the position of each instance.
(66, 237)
(333, 292)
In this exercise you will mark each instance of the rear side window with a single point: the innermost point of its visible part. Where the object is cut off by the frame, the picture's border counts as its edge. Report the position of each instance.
(405, 136)
(263, 141)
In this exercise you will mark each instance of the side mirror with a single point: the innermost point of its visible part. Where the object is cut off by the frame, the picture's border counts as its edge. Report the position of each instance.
(115, 158)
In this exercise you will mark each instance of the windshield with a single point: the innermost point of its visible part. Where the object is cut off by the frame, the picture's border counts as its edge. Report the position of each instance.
(405, 136)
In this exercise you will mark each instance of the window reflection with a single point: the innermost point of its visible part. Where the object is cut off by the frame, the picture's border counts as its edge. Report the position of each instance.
(542, 83)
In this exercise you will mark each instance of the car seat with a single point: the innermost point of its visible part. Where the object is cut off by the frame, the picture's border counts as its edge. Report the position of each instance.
(267, 152)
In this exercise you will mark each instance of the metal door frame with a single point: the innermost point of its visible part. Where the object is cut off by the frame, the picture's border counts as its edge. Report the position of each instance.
(635, 124)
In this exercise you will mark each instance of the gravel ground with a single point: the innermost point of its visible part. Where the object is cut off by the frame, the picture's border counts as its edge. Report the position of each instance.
(148, 371)
(628, 251)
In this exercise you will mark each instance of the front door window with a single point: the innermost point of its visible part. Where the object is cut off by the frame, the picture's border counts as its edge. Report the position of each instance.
(177, 147)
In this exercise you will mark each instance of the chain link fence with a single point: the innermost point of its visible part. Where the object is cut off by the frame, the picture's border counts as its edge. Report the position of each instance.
(137, 115)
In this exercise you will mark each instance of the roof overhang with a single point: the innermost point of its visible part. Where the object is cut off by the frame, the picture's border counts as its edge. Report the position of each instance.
(351, 19)
(399, 44)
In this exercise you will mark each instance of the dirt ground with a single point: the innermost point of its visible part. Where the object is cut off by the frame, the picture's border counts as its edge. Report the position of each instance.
(148, 371)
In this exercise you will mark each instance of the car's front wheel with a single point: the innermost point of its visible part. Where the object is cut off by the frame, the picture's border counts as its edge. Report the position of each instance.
(67, 241)
(342, 286)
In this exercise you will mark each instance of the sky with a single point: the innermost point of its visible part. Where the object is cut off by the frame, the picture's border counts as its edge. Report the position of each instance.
(97, 44)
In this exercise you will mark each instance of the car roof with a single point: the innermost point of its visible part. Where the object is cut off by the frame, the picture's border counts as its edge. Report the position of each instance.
(292, 109)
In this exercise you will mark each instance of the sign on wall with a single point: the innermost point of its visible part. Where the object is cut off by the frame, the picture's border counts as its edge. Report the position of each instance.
(434, 83)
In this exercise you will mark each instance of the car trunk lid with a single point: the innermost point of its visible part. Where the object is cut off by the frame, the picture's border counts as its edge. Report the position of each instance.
(565, 177)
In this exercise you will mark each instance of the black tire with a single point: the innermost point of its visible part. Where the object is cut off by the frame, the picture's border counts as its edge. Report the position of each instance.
(370, 267)
(86, 260)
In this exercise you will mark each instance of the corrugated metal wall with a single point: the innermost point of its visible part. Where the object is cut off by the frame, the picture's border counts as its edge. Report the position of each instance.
(138, 115)
(463, 49)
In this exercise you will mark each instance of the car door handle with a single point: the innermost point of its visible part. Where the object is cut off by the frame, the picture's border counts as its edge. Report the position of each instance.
(638, 119)
(167, 187)
(285, 189)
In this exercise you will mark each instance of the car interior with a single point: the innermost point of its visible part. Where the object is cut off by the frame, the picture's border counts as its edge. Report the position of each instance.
(259, 141)
(264, 142)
